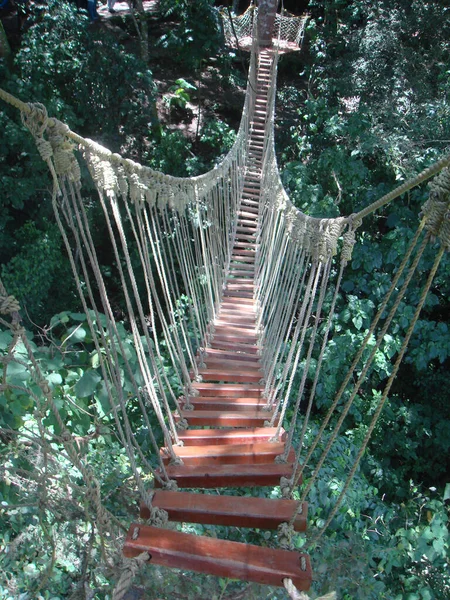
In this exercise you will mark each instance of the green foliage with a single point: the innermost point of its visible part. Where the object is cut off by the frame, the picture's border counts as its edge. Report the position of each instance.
(178, 94)
(39, 272)
(59, 63)
(197, 35)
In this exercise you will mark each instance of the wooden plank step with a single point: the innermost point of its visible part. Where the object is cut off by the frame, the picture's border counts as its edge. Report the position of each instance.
(228, 389)
(246, 311)
(249, 213)
(230, 362)
(240, 356)
(217, 476)
(221, 558)
(244, 302)
(229, 436)
(234, 272)
(247, 333)
(230, 322)
(211, 374)
(217, 418)
(227, 404)
(252, 223)
(225, 345)
(248, 267)
(235, 294)
(228, 454)
(246, 244)
(248, 259)
(243, 237)
(220, 338)
(243, 255)
(246, 229)
(234, 511)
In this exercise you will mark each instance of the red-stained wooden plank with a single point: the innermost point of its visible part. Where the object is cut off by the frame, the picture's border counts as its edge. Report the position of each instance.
(219, 476)
(241, 340)
(221, 558)
(214, 418)
(230, 375)
(198, 437)
(236, 390)
(227, 404)
(251, 454)
(237, 322)
(221, 344)
(233, 363)
(225, 355)
(235, 511)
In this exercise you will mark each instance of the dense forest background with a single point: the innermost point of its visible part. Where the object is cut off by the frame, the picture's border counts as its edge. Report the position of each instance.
(360, 109)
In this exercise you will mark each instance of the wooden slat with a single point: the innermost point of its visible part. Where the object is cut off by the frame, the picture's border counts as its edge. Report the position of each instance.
(237, 321)
(219, 476)
(235, 511)
(231, 362)
(236, 355)
(236, 272)
(227, 404)
(228, 436)
(214, 418)
(211, 374)
(249, 333)
(221, 558)
(228, 389)
(227, 454)
(233, 299)
(226, 345)
(240, 341)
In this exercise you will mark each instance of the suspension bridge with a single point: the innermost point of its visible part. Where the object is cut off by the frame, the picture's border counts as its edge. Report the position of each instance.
(216, 371)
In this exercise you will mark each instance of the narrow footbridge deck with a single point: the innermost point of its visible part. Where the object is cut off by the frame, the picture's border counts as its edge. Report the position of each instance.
(228, 443)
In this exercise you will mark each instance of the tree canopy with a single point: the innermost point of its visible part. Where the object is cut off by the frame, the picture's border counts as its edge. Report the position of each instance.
(361, 108)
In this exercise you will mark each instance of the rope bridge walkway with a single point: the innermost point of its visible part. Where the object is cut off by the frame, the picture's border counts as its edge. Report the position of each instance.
(229, 293)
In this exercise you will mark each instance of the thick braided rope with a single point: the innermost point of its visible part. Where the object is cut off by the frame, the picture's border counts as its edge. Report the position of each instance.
(129, 571)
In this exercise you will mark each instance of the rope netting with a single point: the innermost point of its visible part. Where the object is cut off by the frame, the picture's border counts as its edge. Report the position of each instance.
(288, 29)
(171, 241)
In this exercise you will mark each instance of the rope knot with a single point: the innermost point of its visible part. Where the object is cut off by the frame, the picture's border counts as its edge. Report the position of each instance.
(158, 517)
(36, 121)
(9, 305)
(436, 208)
(285, 487)
(45, 387)
(170, 485)
(285, 534)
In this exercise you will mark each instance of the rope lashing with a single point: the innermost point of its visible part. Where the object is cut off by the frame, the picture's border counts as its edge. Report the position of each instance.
(436, 209)
(9, 305)
(130, 569)
(285, 533)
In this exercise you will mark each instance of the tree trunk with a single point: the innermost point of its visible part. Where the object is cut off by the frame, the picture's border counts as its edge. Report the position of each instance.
(5, 48)
(142, 27)
(267, 9)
